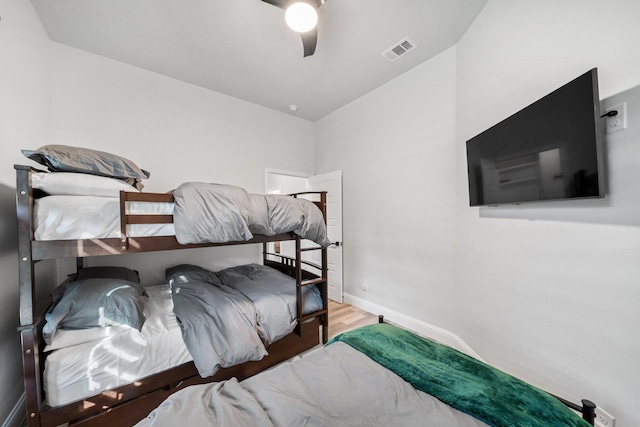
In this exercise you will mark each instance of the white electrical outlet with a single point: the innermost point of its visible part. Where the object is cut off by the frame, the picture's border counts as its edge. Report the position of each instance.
(365, 285)
(619, 121)
(604, 419)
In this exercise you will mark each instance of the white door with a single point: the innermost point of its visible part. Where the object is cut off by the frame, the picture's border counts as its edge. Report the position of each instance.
(332, 183)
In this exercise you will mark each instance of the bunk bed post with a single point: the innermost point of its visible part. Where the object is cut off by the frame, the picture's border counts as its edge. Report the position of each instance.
(31, 366)
(325, 275)
(124, 242)
(28, 329)
(24, 211)
(264, 253)
(298, 270)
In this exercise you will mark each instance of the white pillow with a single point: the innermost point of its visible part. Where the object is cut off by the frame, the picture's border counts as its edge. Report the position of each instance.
(68, 337)
(78, 184)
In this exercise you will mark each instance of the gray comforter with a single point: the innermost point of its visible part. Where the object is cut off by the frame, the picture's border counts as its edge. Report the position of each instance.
(228, 317)
(218, 213)
(274, 298)
(218, 326)
(335, 386)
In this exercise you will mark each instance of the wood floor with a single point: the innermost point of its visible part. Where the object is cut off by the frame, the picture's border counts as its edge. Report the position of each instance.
(343, 317)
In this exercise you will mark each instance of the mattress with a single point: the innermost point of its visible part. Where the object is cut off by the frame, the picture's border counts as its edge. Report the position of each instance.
(83, 370)
(334, 386)
(89, 217)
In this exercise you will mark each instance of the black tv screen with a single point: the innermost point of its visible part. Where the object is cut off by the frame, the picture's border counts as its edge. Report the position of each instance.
(550, 150)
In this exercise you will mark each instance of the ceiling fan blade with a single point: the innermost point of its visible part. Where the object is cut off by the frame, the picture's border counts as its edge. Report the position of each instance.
(309, 41)
(283, 3)
(277, 3)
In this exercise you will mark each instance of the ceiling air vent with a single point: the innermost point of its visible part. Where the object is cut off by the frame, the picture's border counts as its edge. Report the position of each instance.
(403, 46)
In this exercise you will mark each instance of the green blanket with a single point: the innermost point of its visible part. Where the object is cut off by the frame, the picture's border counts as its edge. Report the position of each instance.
(459, 380)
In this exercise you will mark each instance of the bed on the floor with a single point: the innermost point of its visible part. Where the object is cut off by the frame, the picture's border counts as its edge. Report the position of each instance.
(89, 204)
(378, 375)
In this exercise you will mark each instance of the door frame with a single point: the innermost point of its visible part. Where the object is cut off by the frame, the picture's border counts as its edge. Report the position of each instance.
(269, 171)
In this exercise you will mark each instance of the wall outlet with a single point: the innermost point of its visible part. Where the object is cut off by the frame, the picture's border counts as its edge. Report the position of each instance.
(619, 121)
(365, 285)
(604, 419)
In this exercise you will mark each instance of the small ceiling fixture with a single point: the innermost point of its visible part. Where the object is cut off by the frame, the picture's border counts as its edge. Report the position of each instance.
(301, 17)
(403, 46)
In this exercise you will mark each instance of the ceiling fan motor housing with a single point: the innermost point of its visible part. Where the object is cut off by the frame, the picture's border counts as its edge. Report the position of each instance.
(309, 38)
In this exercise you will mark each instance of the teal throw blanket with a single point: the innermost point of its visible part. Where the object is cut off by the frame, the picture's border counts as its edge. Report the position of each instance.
(459, 380)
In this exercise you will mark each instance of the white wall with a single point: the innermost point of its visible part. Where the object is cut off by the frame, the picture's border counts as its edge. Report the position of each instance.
(24, 121)
(550, 292)
(395, 147)
(53, 94)
(177, 131)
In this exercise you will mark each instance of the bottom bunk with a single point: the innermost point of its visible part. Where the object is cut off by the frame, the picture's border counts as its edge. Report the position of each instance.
(128, 404)
(95, 373)
(377, 375)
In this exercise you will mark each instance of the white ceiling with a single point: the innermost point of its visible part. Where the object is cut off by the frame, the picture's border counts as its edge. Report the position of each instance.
(244, 49)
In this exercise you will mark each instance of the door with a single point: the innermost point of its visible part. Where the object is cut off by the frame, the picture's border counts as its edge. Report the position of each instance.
(332, 183)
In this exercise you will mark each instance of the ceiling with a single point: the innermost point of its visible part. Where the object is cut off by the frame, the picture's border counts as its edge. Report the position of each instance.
(244, 49)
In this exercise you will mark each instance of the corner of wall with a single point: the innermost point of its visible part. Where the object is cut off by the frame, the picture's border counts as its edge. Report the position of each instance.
(433, 332)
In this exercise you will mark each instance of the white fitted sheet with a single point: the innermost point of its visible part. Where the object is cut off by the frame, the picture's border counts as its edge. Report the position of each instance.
(83, 370)
(89, 217)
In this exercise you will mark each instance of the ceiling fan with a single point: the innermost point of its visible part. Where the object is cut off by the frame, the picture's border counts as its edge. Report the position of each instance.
(301, 16)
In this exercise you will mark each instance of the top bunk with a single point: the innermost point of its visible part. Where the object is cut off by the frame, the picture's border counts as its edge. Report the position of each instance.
(57, 225)
(80, 208)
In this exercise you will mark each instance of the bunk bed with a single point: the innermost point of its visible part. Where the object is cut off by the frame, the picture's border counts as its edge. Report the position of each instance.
(127, 404)
(376, 375)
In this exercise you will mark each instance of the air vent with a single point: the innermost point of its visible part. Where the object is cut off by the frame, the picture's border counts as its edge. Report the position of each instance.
(402, 47)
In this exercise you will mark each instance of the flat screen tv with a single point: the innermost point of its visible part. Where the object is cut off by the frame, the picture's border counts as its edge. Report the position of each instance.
(550, 150)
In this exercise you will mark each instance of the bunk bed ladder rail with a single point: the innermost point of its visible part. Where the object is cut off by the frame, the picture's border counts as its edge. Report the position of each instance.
(320, 282)
(303, 278)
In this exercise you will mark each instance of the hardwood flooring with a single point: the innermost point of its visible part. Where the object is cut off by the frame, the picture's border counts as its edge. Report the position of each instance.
(344, 317)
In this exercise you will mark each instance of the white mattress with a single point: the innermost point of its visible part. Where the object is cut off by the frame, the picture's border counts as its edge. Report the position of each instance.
(84, 370)
(89, 217)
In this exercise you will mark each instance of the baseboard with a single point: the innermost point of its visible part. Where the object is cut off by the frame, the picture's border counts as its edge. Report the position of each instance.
(18, 415)
(430, 331)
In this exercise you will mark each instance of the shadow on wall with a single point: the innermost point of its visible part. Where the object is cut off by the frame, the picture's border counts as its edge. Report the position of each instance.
(11, 373)
(8, 221)
(621, 155)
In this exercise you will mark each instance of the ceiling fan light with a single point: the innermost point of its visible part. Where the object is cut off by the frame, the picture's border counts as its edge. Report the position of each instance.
(301, 17)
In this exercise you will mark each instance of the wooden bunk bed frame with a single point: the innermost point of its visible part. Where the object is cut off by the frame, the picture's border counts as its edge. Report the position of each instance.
(130, 403)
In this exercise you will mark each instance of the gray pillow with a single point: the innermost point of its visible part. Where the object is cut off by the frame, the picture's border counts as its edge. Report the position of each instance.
(187, 273)
(118, 273)
(95, 302)
(64, 158)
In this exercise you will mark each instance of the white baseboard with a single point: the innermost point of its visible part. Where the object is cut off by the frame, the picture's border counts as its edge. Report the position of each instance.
(18, 415)
(430, 331)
